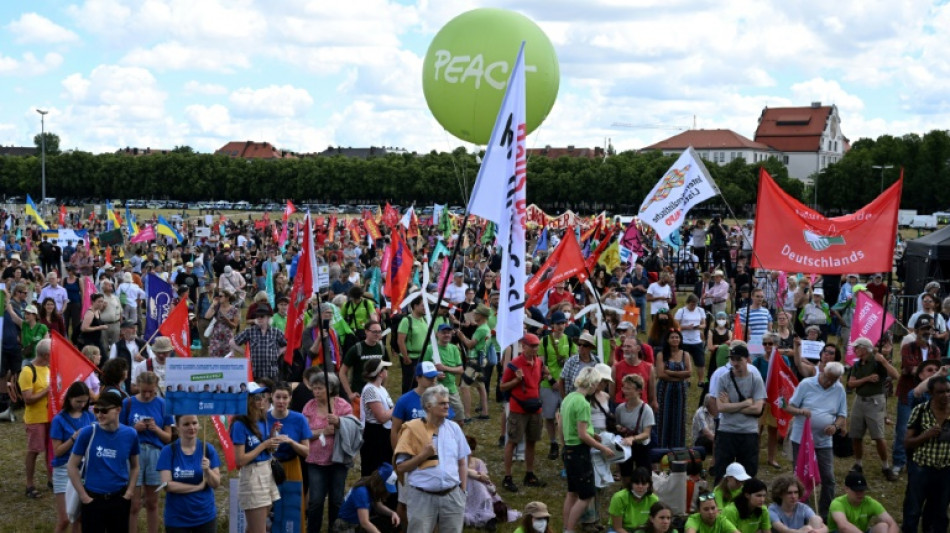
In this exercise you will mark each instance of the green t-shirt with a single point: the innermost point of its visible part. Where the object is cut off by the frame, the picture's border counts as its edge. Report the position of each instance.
(481, 337)
(357, 315)
(633, 512)
(415, 335)
(857, 516)
(721, 525)
(451, 356)
(492, 323)
(748, 525)
(29, 337)
(550, 351)
(718, 492)
(279, 322)
(575, 408)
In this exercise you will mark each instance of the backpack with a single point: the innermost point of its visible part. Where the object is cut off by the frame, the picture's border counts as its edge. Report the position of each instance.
(570, 349)
(681, 455)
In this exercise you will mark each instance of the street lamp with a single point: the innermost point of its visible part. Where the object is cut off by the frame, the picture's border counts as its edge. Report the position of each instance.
(43, 152)
(883, 168)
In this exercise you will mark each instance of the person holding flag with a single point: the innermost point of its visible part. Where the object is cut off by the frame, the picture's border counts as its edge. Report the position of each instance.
(822, 399)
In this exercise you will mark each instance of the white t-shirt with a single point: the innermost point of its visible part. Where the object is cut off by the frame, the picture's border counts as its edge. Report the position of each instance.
(691, 318)
(372, 393)
(664, 293)
(454, 293)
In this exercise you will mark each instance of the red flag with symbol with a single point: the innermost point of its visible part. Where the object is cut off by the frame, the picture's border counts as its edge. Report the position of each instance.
(390, 216)
(399, 271)
(779, 387)
(300, 294)
(224, 438)
(66, 366)
(595, 256)
(565, 262)
(176, 328)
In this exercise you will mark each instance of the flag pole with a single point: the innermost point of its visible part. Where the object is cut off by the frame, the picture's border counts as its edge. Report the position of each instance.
(600, 305)
(438, 301)
(320, 333)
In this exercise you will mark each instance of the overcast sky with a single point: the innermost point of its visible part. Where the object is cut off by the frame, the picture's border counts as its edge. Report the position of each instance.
(306, 74)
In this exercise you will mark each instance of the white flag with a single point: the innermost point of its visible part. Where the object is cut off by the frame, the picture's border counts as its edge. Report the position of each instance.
(406, 219)
(499, 196)
(684, 185)
(437, 213)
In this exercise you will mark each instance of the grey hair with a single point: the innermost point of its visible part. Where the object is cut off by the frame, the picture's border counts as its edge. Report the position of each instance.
(773, 336)
(43, 347)
(932, 285)
(321, 378)
(432, 394)
(588, 378)
(946, 302)
(834, 369)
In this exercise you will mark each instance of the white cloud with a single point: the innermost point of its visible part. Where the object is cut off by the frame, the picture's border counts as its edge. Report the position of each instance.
(210, 89)
(32, 28)
(29, 64)
(273, 101)
(177, 56)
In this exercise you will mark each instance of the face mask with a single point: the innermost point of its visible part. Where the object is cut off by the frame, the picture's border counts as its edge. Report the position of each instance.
(638, 495)
(540, 525)
(720, 323)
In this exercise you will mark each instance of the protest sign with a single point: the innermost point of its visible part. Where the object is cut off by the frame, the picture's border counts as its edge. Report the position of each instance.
(205, 386)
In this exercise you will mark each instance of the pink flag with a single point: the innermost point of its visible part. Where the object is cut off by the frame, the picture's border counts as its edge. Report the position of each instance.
(866, 321)
(782, 289)
(89, 288)
(445, 274)
(806, 464)
(145, 234)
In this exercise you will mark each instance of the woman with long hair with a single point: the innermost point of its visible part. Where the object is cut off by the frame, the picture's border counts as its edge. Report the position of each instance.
(226, 319)
(731, 484)
(661, 324)
(92, 326)
(293, 434)
(114, 373)
(327, 478)
(376, 412)
(190, 468)
(673, 368)
(253, 446)
(660, 521)
(748, 512)
(51, 318)
(63, 432)
(145, 412)
(629, 506)
(708, 518)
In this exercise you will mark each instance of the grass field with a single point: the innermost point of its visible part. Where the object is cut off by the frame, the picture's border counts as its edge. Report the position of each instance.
(25, 515)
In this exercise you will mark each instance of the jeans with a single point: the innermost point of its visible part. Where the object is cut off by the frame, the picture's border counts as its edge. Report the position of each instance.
(641, 302)
(325, 480)
(735, 447)
(926, 498)
(826, 468)
(900, 431)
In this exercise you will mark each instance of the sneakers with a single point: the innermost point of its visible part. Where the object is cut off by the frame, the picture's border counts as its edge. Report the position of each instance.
(555, 451)
(857, 468)
(8, 415)
(501, 441)
(889, 474)
(531, 480)
(897, 469)
(509, 484)
(482, 417)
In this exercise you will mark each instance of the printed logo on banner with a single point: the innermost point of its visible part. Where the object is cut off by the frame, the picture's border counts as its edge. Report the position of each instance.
(206, 386)
(820, 243)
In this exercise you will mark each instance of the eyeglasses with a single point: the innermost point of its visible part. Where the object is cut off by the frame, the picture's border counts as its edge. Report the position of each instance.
(768, 344)
(443, 404)
(102, 410)
(374, 331)
(706, 497)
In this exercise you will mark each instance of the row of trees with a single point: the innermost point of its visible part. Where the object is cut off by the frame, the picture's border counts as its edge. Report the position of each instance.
(618, 183)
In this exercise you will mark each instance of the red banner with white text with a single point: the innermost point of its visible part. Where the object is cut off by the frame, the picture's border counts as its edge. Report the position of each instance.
(792, 237)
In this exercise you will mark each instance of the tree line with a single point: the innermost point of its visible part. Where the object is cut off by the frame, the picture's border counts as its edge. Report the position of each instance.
(618, 183)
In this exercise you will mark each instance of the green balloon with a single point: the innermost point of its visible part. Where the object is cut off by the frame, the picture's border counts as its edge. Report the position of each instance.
(467, 67)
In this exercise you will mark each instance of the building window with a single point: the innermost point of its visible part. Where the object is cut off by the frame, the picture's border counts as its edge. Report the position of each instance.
(785, 159)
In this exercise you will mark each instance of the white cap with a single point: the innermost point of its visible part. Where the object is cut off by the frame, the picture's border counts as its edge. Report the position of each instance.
(737, 471)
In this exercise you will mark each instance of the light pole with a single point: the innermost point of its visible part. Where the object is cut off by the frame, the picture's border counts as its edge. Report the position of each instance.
(883, 168)
(43, 152)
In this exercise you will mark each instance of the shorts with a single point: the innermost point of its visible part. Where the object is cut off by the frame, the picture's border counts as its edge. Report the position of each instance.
(580, 471)
(36, 435)
(148, 466)
(697, 353)
(11, 361)
(60, 479)
(767, 420)
(456, 402)
(402, 493)
(867, 414)
(550, 401)
(257, 487)
(525, 427)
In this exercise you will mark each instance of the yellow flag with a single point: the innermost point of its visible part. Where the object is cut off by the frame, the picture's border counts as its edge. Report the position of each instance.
(610, 259)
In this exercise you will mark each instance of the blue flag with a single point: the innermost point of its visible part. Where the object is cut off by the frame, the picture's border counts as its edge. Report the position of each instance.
(158, 305)
(542, 245)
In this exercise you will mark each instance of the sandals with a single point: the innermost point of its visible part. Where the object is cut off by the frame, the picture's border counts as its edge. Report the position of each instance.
(32, 493)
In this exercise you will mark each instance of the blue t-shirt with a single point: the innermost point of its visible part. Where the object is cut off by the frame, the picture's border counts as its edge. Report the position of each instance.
(133, 411)
(357, 498)
(240, 434)
(409, 407)
(64, 426)
(109, 452)
(295, 426)
(195, 508)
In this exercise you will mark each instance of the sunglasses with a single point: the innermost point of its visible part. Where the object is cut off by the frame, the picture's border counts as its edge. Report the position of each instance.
(102, 410)
(706, 497)
(768, 344)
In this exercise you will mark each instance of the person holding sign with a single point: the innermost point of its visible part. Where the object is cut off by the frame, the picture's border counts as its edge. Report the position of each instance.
(253, 447)
(189, 467)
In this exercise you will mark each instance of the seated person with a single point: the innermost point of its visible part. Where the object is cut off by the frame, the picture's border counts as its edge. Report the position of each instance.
(854, 512)
(747, 511)
(708, 519)
(630, 506)
(787, 513)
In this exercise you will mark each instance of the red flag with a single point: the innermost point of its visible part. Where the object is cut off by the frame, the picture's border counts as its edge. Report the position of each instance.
(390, 216)
(371, 227)
(62, 216)
(354, 227)
(224, 438)
(176, 328)
(413, 225)
(66, 366)
(565, 262)
(779, 387)
(109, 255)
(288, 210)
(737, 331)
(806, 465)
(331, 229)
(250, 364)
(399, 271)
(604, 243)
(300, 294)
(789, 236)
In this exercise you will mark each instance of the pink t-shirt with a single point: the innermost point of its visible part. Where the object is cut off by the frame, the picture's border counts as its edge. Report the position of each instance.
(320, 453)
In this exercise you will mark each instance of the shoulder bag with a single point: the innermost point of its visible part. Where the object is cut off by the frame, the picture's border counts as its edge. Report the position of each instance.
(73, 503)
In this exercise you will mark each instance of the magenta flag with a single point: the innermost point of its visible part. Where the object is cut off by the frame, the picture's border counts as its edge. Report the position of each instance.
(806, 464)
(145, 234)
(782, 289)
(89, 288)
(867, 321)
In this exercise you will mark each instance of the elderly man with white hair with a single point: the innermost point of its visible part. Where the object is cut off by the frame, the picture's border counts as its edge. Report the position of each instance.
(933, 289)
(822, 399)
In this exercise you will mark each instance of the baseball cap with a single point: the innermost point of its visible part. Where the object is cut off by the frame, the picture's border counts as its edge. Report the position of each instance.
(558, 317)
(856, 482)
(819, 292)
(445, 327)
(537, 510)
(605, 371)
(263, 310)
(531, 339)
(923, 322)
(254, 388)
(737, 471)
(739, 352)
(389, 477)
(623, 326)
(427, 369)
